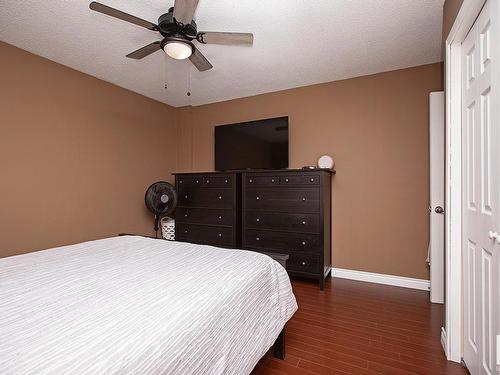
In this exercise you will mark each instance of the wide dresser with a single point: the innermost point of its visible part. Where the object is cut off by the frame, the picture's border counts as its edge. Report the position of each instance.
(271, 211)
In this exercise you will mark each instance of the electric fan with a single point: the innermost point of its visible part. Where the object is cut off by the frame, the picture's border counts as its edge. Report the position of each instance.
(161, 200)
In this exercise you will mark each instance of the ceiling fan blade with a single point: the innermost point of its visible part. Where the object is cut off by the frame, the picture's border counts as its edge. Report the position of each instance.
(212, 37)
(104, 9)
(145, 51)
(184, 10)
(200, 61)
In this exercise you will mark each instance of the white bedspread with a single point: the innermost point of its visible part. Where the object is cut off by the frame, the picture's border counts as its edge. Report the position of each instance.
(133, 305)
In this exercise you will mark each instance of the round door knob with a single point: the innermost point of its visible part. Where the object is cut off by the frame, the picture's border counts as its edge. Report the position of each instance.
(493, 235)
(439, 210)
(303, 199)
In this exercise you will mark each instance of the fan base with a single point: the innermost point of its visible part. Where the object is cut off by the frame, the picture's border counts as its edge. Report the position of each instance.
(169, 26)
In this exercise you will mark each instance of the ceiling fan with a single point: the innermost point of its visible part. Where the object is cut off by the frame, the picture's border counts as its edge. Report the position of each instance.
(179, 31)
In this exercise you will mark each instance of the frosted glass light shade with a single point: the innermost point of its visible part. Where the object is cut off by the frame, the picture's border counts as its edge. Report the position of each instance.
(178, 50)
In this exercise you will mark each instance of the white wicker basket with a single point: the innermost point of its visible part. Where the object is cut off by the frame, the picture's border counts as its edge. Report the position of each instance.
(168, 228)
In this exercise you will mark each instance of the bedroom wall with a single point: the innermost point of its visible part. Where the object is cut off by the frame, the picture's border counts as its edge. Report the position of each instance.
(76, 154)
(376, 127)
(450, 12)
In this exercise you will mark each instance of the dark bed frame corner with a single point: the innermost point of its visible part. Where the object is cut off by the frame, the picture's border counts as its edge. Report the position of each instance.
(279, 345)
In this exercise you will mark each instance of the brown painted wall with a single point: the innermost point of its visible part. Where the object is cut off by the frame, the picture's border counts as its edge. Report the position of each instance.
(450, 11)
(76, 154)
(376, 127)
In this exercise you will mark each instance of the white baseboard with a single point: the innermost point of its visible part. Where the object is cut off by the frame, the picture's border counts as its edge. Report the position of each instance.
(380, 278)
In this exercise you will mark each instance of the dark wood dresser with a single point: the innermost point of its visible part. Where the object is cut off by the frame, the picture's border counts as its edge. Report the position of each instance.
(271, 211)
(290, 213)
(209, 208)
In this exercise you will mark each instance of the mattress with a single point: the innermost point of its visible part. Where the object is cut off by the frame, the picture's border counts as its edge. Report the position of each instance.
(133, 305)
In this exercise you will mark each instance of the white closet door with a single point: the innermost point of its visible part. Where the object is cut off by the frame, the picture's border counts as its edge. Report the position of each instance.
(436, 211)
(481, 170)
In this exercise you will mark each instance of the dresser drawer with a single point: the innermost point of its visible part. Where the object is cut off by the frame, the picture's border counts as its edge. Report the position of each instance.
(225, 181)
(283, 200)
(309, 179)
(289, 242)
(204, 216)
(210, 198)
(183, 181)
(221, 236)
(266, 180)
(281, 221)
(303, 263)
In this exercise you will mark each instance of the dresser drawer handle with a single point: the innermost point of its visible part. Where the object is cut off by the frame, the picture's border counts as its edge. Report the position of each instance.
(272, 180)
(219, 197)
(257, 198)
(220, 217)
(186, 196)
(185, 215)
(312, 180)
(220, 234)
(303, 243)
(303, 199)
(257, 220)
(257, 238)
(303, 222)
(197, 181)
(185, 230)
(303, 263)
(181, 181)
(286, 180)
(207, 181)
(250, 181)
(226, 181)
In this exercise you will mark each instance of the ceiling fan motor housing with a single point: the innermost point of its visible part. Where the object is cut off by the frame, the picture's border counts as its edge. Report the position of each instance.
(169, 27)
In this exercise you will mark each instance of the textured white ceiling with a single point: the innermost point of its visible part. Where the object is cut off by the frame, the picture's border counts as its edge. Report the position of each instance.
(297, 43)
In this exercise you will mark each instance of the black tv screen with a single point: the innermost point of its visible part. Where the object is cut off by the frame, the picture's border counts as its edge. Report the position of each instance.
(261, 144)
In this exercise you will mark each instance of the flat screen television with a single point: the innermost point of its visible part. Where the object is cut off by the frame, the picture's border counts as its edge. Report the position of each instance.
(261, 144)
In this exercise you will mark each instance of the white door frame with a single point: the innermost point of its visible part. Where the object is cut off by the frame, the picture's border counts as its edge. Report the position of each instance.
(452, 331)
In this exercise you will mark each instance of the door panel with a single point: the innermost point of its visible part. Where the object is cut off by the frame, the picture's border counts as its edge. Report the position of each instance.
(481, 195)
(436, 183)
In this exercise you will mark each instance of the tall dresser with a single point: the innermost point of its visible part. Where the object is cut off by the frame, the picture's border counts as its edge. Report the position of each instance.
(273, 211)
(290, 212)
(209, 208)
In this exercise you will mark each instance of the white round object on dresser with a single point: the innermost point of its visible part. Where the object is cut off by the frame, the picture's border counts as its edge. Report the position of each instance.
(326, 162)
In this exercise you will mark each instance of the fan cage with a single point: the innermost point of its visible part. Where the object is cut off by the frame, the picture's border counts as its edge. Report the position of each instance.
(168, 228)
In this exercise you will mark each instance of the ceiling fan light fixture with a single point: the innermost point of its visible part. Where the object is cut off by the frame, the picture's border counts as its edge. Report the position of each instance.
(177, 48)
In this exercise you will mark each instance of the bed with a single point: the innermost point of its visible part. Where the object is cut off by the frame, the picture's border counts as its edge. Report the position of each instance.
(135, 305)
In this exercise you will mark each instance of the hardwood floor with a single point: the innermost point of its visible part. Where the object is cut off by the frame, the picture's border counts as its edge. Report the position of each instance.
(360, 328)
